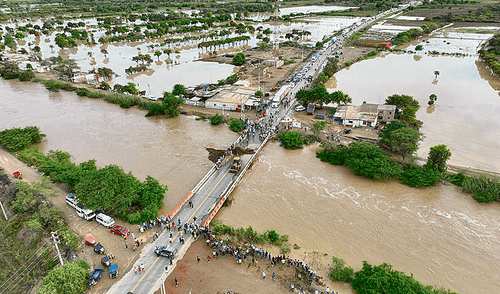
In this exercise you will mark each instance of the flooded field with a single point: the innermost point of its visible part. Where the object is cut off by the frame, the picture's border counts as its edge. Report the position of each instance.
(167, 70)
(170, 150)
(439, 234)
(465, 116)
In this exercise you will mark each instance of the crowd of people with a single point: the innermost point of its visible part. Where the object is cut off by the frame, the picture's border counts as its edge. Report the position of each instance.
(259, 257)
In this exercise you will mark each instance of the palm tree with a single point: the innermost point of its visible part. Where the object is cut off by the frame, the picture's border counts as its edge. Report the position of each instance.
(158, 54)
(436, 74)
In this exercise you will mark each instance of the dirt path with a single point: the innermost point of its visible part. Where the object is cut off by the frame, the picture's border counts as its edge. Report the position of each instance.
(112, 243)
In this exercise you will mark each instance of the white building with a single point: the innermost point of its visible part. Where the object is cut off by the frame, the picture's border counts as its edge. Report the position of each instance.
(365, 114)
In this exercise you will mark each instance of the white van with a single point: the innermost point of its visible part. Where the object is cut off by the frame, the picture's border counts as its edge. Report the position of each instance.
(71, 200)
(86, 214)
(105, 220)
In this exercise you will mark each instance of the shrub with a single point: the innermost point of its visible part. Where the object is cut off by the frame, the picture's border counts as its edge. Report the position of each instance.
(482, 187)
(27, 75)
(415, 176)
(369, 160)
(334, 154)
(340, 271)
(82, 92)
(216, 119)
(239, 59)
(236, 125)
(70, 278)
(292, 140)
(17, 139)
(55, 86)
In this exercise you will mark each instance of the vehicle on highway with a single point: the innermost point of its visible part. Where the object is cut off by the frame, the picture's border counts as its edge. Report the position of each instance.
(319, 116)
(119, 230)
(85, 214)
(71, 200)
(236, 166)
(105, 220)
(168, 252)
(292, 85)
(300, 108)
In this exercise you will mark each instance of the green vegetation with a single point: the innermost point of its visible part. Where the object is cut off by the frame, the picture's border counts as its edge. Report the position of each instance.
(416, 176)
(249, 234)
(70, 278)
(216, 119)
(432, 99)
(23, 237)
(340, 271)
(384, 279)
(437, 158)
(239, 59)
(406, 109)
(292, 139)
(55, 86)
(482, 187)
(398, 137)
(17, 139)
(171, 104)
(259, 94)
(319, 95)
(236, 125)
(490, 54)
(179, 90)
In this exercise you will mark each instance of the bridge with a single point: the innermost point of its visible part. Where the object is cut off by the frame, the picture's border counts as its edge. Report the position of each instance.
(207, 197)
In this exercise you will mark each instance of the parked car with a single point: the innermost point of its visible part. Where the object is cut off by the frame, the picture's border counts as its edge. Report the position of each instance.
(300, 108)
(169, 252)
(98, 248)
(85, 214)
(71, 200)
(105, 220)
(310, 108)
(119, 230)
(319, 116)
(113, 271)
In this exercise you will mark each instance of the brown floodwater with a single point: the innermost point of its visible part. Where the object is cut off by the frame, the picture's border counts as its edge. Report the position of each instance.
(439, 234)
(466, 116)
(170, 150)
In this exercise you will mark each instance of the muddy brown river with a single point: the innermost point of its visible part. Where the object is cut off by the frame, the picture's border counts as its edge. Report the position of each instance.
(170, 150)
(439, 234)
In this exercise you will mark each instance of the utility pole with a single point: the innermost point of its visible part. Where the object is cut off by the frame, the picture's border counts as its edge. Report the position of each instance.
(3, 210)
(56, 240)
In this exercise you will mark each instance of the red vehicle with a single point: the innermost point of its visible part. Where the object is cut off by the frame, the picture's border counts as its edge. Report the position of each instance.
(17, 175)
(90, 240)
(274, 89)
(119, 230)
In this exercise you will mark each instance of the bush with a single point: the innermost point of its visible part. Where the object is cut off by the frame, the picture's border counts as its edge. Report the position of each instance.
(415, 176)
(236, 125)
(27, 75)
(334, 154)
(17, 139)
(291, 140)
(239, 59)
(482, 187)
(55, 86)
(82, 92)
(216, 119)
(340, 271)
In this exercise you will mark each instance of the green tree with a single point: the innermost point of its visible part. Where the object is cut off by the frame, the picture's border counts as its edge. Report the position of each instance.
(437, 158)
(70, 278)
(171, 104)
(239, 59)
(432, 99)
(369, 160)
(236, 125)
(17, 139)
(292, 140)
(397, 136)
(259, 94)
(158, 54)
(179, 90)
(216, 119)
(406, 108)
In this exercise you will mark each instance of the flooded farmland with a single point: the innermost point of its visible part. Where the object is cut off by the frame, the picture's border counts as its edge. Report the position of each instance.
(465, 116)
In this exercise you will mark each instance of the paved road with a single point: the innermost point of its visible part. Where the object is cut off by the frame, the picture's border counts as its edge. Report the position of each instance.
(211, 191)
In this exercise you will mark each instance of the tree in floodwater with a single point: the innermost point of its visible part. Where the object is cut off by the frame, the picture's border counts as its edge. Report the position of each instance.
(398, 137)
(432, 99)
